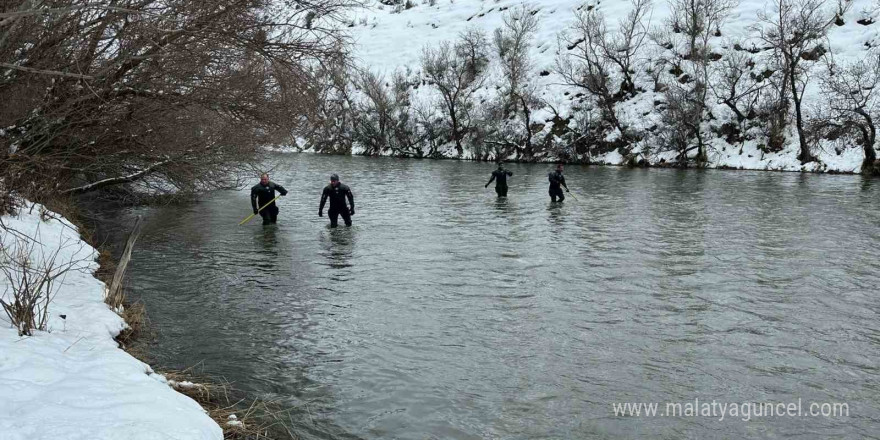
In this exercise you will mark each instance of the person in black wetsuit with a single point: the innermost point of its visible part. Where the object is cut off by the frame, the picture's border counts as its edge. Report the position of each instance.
(557, 182)
(263, 193)
(337, 192)
(501, 184)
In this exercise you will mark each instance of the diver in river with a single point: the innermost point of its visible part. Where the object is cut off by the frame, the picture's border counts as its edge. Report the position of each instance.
(263, 193)
(337, 192)
(501, 183)
(557, 181)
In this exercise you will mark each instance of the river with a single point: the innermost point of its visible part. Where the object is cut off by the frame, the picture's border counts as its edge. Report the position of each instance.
(446, 313)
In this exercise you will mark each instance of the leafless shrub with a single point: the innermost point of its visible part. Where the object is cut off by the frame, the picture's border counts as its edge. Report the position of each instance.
(30, 270)
(683, 119)
(622, 48)
(405, 140)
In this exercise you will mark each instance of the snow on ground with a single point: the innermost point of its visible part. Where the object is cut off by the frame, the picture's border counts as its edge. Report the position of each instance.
(387, 39)
(72, 382)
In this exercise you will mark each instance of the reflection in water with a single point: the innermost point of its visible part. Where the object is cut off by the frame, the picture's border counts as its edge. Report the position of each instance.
(266, 255)
(267, 237)
(448, 313)
(338, 246)
(502, 205)
(556, 211)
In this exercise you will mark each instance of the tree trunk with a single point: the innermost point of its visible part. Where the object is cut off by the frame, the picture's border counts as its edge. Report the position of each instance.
(115, 296)
(869, 138)
(528, 152)
(732, 106)
(804, 155)
(453, 119)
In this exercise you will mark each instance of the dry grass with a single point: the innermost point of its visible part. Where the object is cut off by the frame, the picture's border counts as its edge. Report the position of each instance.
(135, 315)
(107, 263)
(57, 206)
(241, 419)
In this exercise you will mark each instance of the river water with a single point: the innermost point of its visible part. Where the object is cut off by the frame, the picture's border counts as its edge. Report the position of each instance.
(447, 313)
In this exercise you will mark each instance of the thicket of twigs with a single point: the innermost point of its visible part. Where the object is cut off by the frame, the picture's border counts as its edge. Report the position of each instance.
(31, 271)
(141, 96)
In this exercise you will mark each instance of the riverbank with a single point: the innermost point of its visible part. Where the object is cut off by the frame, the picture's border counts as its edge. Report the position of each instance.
(747, 157)
(71, 380)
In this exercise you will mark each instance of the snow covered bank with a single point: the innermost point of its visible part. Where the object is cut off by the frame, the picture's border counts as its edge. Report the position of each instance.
(72, 381)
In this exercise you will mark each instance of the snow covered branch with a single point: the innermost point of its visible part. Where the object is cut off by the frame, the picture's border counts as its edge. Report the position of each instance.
(116, 180)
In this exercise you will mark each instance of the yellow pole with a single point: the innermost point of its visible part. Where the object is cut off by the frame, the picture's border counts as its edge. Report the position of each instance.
(572, 194)
(258, 211)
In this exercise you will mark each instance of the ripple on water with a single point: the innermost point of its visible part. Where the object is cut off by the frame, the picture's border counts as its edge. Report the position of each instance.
(447, 313)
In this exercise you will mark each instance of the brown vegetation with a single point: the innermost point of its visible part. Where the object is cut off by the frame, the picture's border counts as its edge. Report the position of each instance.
(168, 96)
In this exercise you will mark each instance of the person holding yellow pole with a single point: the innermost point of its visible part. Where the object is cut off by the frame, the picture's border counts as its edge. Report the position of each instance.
(264, 194)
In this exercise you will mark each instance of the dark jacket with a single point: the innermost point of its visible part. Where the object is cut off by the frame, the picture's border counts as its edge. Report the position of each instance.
(337, 195)
(262, 194)
(501, 175)
(556, 179)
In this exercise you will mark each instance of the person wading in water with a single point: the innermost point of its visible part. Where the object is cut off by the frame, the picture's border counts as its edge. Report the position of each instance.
(500, 176)
(262, 193)
(337, 192)
(557, 181)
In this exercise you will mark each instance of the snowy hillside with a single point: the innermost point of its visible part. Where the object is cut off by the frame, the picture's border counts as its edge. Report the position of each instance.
(390, 38)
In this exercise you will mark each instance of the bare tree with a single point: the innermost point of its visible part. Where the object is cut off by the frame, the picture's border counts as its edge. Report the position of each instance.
(428, 127)
(183, 92)
(587, 68)
(622, 48)
(796, 30)
(447, 69)
(603, 63)
(512, 43)
(851, 102)
(687, 34)
(374, 119)
(383, 122)
(328, 123)
(405, 139)
(736, 85)
(472, 47)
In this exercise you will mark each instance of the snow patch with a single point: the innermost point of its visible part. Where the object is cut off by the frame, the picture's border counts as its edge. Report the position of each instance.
(72, 381)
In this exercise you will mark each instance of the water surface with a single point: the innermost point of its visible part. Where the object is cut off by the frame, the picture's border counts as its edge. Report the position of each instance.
(447, 313)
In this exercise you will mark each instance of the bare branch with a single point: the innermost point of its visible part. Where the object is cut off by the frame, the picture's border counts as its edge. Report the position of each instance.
(46, 72)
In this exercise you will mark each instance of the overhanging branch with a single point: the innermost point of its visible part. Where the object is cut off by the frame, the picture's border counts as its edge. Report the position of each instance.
(116, 180)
